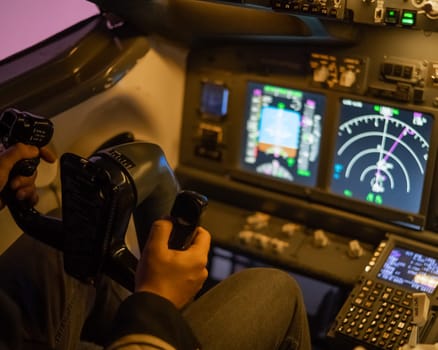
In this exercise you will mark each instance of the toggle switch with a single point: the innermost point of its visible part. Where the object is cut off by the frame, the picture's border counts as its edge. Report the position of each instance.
(320, 239)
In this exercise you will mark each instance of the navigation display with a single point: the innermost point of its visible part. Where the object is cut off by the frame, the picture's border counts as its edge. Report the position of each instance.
(410, 269)
(283, 133)
(381, 155)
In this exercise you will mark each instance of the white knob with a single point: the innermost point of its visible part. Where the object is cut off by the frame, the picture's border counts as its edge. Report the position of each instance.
(261, 240)
(320, 239)
(289, 229)
(278, 246)
(258, 220)
(347, 78)
(320, 74)
(355, 250)
(245, 236)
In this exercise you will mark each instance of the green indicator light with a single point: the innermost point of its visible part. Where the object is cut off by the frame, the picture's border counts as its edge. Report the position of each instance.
(408, 18)
(282, 91)
(379, 199)
(395, 111)
(391, 13)
(281, 105)
(348, 193)
(377, 108)
(290, 162)
(370, 197)
(305, 173)
(407, 22)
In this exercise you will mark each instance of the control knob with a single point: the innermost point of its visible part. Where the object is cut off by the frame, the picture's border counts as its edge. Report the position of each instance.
(355, 250)
(320, 239)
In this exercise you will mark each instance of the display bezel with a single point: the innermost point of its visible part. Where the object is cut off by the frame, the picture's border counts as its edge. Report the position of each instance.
(207, 113)
(320, 193)
(242, 172)
(415, 221)
(393, 242)
(404, 285)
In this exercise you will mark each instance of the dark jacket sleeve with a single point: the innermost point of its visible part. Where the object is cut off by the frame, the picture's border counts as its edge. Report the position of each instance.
(10, 324)
(147, 313)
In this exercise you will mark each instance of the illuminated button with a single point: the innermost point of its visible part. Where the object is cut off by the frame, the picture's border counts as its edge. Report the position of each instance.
(296, 6)
(321, 74)
(392, 16)
(358, 301)
(401, 325)
(315, 9)
(347, 78)
(333, 12)
(287, 5)
(277, 4)
(369, 304)
(408, 18)
(305, 8)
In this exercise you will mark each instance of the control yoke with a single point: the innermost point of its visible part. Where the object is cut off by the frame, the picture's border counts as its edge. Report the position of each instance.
(99, 195)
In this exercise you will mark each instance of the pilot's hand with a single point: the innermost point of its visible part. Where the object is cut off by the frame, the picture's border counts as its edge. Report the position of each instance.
(24, 186)
(173, 274)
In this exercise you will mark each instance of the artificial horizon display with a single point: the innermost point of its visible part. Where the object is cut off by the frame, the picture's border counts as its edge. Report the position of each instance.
(381, 155)
(282, 135)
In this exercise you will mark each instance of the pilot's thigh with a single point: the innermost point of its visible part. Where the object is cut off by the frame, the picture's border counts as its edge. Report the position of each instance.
(53, 304)
(257, 308)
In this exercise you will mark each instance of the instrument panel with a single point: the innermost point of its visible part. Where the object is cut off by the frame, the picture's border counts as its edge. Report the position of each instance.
(322, 161)
(332, 147)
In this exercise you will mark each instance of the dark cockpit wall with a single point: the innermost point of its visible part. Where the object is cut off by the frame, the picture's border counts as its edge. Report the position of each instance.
(183, 74)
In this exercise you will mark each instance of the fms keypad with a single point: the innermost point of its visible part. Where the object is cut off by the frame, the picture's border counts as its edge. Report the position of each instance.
(379, 315)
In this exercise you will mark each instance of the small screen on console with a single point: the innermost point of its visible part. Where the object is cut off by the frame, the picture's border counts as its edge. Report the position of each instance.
(214, 99)
(381, 155)
(410, 269)
(283, 133)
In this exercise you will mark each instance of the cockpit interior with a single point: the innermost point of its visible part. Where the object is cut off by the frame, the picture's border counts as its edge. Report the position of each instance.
(308, 124)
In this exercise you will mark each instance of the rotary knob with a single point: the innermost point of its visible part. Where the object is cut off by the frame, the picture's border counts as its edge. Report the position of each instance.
(320, 239)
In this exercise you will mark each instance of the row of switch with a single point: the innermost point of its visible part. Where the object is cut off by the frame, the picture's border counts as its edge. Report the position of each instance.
(394, 16)
(306, 8)
(276, 245)
(259, 221)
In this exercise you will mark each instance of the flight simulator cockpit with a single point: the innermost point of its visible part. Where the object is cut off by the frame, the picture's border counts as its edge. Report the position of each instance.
(310, 126)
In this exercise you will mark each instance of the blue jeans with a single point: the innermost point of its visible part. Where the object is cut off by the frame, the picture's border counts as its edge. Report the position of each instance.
(259, 308)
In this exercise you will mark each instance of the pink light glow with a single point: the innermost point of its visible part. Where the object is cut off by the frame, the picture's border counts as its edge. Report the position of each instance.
(24, 23)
